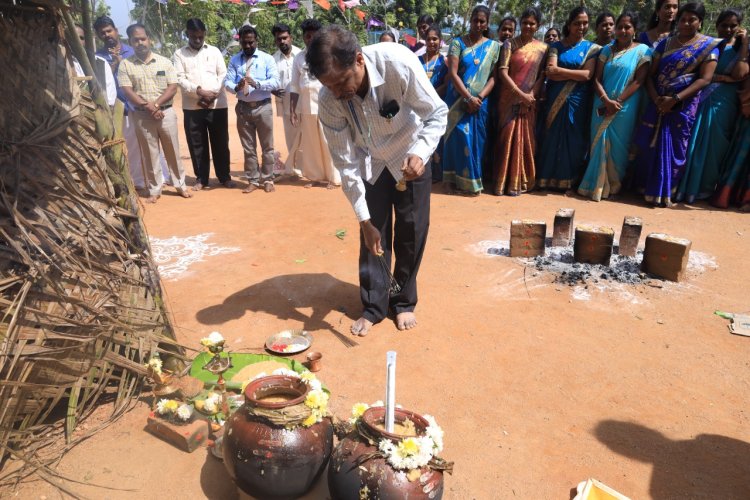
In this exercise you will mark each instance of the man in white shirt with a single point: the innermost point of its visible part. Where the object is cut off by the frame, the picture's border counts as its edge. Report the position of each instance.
(284, 58)
(200, 73)
(383, 120)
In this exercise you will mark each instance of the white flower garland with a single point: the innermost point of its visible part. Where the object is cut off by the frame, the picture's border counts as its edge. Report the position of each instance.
(411, 452)
(316, 399)
(168, 407)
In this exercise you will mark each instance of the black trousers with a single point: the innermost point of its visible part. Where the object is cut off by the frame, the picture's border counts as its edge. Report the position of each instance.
(405, 237)
(204, 127)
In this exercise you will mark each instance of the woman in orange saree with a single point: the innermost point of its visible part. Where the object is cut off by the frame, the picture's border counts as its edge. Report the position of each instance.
(520, 71)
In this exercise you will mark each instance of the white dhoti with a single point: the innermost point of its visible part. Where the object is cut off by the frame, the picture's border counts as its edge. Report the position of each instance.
(316, 163)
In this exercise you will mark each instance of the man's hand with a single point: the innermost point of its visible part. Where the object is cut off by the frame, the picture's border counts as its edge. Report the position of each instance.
(294, 118)
(279, 93)
(114, 52)
(372, 237)
(207, 95)
(151, 107)
(240, 85)
(158, 115)
(412, 168)
(250, 81)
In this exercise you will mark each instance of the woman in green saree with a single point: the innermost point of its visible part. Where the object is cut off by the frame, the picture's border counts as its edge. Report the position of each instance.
(717, 115)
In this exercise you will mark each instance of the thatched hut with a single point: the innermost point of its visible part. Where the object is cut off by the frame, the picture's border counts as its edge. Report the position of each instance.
(81, 308)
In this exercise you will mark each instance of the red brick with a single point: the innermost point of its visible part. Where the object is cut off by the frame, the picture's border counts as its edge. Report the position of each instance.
(187, 437)
(527, 238)
(562, 231)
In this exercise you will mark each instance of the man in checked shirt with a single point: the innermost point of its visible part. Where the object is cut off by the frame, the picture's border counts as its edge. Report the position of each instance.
(383, 120)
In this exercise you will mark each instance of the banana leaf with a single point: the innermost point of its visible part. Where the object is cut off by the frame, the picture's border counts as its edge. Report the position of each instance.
(239, 361)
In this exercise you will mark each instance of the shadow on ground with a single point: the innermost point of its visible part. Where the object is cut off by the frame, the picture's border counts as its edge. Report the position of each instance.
(284, 296)
(217, 484)
(707, 466)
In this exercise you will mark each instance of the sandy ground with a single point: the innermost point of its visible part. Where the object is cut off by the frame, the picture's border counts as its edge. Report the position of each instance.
(537, 385)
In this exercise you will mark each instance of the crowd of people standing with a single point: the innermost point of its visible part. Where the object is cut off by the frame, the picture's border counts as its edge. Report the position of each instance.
(664, 111)
(147, 83)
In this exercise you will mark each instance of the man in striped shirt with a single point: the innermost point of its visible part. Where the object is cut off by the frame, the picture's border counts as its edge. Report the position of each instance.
(383, 120)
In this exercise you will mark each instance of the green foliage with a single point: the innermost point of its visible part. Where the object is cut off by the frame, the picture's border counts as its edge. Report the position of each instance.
(167, 22)
(101, 9)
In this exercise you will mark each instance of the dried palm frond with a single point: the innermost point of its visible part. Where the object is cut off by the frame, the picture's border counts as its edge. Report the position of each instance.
(81, 309)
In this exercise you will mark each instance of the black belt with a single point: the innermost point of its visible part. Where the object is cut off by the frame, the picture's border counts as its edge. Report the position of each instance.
(141, 108)
(255, 104)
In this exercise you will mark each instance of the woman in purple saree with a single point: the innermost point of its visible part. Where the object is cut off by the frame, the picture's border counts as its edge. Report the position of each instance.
(682, 65)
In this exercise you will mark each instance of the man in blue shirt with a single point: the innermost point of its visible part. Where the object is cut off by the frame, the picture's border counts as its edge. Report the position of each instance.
(252, 75)
(113, 50)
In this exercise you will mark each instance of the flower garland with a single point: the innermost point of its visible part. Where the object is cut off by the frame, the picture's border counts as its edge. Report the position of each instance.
(409, 453)
(316, 400)
(171, 408)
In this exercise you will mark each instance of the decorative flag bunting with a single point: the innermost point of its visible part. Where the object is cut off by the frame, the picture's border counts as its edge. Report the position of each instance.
(291, 4)
(374, 22)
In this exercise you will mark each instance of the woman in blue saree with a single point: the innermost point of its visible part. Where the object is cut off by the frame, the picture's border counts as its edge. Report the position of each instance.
(681, 67)
(661, 24)
(734, 186)
(471, 60)
(570, 66)
(620, 73)
(717, 114)
(436, 68)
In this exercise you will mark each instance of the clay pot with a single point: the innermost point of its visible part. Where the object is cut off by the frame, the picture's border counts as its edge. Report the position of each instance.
(375, 478)
(270, 461)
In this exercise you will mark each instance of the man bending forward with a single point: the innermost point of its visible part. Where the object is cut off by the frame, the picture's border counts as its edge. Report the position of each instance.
(383, 121)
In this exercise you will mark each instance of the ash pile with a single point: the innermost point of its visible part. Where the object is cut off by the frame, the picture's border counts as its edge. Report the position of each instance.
(585, 254)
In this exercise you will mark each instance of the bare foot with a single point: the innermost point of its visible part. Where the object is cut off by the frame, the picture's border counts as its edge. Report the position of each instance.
(308, 185)
(152, 199)
(331, 185)
(361, 327)
(406, 320)
(198, 186)
(184, 193)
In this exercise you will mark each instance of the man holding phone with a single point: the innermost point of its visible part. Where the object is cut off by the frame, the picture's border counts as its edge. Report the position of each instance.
(383, 120)
(149, 82)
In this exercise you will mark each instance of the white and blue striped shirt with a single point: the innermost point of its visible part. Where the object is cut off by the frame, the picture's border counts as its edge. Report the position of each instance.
(362, 142)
